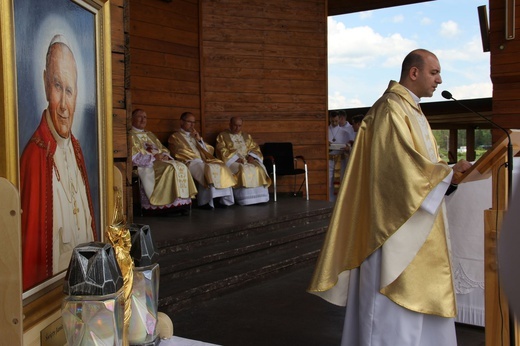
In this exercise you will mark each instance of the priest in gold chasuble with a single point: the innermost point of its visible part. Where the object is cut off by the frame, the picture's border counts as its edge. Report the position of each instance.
(214, 178)
(386, 255)
(243, 156)
(165, 181)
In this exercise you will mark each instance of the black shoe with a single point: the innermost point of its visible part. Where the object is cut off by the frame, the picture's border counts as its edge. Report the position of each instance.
(205, 207)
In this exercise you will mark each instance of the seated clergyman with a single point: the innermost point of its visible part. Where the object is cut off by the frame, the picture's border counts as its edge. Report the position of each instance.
(213, 176)
(166, 182)
(243, 156)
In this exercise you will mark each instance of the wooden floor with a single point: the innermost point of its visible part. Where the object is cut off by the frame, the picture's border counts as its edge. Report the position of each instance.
(278, 312)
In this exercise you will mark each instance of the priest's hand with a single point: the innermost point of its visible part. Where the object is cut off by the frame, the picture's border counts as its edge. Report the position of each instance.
(195, 135)
(162, 157)
(458, 171)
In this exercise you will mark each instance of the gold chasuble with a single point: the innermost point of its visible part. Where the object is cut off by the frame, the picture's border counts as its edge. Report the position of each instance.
(163, 181)
(186, 149)
(393, 167)
(232, 146)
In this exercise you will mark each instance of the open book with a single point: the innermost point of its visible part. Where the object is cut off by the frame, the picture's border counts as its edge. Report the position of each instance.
(336, 146)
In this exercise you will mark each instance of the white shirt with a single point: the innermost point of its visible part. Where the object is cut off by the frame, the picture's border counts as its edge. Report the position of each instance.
(337, 136)
(349, 130)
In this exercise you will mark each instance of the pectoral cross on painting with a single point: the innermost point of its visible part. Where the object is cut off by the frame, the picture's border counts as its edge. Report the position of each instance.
(75, 211)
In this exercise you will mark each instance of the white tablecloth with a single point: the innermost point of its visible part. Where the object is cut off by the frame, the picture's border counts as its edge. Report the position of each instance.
(178, 341)
(465, 210)
(466, 223)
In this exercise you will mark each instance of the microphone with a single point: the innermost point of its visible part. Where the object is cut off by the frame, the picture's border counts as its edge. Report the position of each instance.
(448, 96)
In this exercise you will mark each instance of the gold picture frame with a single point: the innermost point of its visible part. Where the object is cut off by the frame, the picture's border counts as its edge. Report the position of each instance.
(41, 303)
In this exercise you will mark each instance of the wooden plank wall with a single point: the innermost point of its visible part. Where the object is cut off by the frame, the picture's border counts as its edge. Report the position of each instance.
(119, 102)
(263, 60)
(164, 61)
(266, 61)
(505, 75)
(505, 68)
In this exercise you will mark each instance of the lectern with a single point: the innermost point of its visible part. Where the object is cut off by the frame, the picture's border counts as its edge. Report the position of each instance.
(492, 163)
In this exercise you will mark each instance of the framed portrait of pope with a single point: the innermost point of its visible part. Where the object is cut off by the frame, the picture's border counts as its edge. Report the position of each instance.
(59, 65)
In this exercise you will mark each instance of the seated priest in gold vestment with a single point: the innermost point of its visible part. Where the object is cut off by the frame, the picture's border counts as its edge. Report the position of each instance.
(166, 182)
(243, 156)
(215, 180)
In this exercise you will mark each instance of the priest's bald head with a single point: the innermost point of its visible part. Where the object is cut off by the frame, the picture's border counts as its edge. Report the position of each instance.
(421, 73)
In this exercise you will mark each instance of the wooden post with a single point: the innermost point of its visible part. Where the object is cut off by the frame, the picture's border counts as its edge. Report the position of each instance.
(10, 264)
(492, 163)
(470, 144)
(452, 153)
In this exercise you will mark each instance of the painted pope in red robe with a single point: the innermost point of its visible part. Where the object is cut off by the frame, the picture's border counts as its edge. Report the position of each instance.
(57, 211)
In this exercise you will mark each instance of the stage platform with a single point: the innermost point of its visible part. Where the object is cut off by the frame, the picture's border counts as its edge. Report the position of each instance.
(174, 227)
(209, 252)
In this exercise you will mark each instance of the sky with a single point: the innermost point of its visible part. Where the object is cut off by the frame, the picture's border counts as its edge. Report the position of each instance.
(366, 49)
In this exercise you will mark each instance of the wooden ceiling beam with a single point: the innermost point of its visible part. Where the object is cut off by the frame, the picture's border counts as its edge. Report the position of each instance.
(448, 113)
(337, 7)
